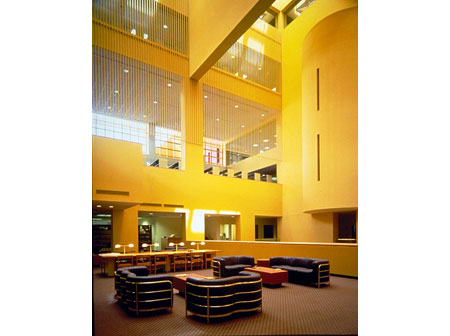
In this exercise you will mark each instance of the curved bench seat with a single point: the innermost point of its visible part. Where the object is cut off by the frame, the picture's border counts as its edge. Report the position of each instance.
(226, 266)
(140, 292)
(214, 298)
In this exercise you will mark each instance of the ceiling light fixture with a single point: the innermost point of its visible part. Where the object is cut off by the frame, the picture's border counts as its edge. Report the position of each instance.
(145, 36)
(111, 206)
(155, 102)
(205, 97)
(165, 26)
(274, 89)
(232, 56)
(236, 106)
(259, 68)
(109, 107)
(237, 73)
(255, 145)
(266, 147)
(217, 119)
(125, 70)
(262, 115)
(244, 76)
(169, 85)
(115, 91)
(266, 140)
(144, 116)
(99, 206)
(133, 31)
(242, 126)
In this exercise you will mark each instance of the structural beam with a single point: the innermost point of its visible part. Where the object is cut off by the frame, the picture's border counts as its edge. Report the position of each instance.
(214, 26)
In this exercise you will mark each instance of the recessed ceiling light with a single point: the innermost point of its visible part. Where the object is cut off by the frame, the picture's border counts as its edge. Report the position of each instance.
(125, 70)
(165, 26)
(169, 85)
(274, 89)
(115, 91)
(133, 31)
(205, 97)
(242, 126)
(266, 140)
(236, 106)
(217, 119)
(144, 116)
(237, 74)
(259, 68)
(262, 115)
(232, 56)
(266, 147)
(99, 206)
(155, 102)
(244, 76)
(111, 206)
(255, 145)
(109, 107)
(145, 36)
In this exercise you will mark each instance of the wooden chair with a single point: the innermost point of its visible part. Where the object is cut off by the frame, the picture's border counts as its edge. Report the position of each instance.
(178, 259)
(160, 261)
(145, 260)
(208, 259)
(124, 261)
(195, 258)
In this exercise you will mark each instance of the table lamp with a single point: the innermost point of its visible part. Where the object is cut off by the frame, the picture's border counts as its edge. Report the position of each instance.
(176, 245)
(149, 245)
(194, 243)
(124, 246)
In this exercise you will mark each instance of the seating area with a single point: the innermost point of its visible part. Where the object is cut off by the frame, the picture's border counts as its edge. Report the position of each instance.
(138, 291)
(218, 298)
(304, 270)
(231, 265)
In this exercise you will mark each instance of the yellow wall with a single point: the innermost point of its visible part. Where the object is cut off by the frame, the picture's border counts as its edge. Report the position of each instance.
(196, 191)
(343, 257)
(296, 225)
(337, 119)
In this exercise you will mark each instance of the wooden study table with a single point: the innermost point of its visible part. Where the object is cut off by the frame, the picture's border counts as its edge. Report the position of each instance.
(109, 259)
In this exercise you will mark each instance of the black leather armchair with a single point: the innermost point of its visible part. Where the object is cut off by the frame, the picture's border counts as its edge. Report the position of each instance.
(304, 270)
(141, 292)
(216, 298)
(226, 266)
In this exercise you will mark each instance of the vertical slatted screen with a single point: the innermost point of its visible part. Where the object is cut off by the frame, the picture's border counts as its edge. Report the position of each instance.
(138, 82)
(241, 126)
(250, 64)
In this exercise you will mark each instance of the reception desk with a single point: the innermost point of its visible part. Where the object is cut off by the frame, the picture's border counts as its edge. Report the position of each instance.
(109, 259)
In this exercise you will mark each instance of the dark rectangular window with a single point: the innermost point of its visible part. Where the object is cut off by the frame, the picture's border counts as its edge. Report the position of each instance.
(318, 157)
(318, 91)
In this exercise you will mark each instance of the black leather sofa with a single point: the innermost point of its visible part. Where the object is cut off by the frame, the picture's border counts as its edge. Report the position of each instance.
(219, 298)
(226, 266)
(304, 270)
(139, 292)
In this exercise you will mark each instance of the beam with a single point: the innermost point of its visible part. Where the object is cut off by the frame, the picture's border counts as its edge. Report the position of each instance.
(214, 26)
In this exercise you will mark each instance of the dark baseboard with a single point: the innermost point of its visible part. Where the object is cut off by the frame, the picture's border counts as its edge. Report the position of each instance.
(344, 276)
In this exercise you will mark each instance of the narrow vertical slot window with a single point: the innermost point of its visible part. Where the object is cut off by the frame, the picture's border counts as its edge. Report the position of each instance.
(318, 90)
(318, 157)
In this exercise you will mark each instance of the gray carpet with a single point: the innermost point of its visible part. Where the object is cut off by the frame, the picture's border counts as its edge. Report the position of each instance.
(290, 310)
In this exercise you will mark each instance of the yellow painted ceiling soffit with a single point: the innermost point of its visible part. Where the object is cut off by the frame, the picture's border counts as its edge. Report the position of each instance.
(209, 40)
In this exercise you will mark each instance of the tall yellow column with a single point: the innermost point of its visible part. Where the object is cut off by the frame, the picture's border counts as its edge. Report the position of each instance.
(125, 229)
(192, 125)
